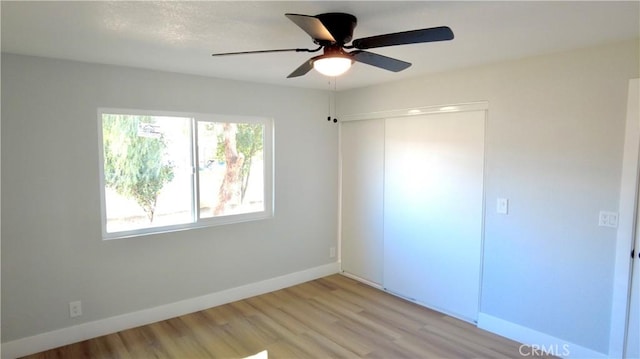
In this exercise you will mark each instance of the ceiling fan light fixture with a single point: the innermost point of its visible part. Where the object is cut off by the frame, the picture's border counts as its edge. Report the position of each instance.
(333, 31)
(332, 66)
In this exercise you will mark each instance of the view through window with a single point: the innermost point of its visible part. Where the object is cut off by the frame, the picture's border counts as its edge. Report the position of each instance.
(167, 172)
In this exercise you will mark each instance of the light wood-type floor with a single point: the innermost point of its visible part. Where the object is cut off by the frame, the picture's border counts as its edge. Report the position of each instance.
(331, 317)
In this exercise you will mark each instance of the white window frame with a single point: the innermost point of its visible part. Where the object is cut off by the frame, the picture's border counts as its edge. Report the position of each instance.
(197, 222)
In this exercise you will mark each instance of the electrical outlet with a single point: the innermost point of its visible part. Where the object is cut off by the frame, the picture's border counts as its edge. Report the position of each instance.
(75, 309)
(332, 252)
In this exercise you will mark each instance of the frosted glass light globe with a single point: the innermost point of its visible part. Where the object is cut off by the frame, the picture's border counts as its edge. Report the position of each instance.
(332, 66)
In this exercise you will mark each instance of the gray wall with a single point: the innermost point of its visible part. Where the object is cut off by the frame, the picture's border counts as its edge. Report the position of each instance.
(52, 251)
(554, 142)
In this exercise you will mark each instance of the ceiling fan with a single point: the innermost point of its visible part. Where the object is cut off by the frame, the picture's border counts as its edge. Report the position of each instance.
(333, 31)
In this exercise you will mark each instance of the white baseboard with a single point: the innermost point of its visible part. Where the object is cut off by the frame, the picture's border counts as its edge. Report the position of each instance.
(77, 333)
(534, 342)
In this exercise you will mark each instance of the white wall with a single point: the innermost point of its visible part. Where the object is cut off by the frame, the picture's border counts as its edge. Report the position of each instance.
(52, 251)
(553, 147)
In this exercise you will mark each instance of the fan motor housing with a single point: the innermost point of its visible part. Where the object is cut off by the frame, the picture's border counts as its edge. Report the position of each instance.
(340, 25)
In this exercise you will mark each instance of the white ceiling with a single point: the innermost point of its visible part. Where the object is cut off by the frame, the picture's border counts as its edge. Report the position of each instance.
(179, 36)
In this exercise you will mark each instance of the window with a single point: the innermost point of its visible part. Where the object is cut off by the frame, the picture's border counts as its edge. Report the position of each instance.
(166, 171)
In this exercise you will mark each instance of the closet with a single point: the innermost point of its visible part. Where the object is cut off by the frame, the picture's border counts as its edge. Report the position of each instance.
(412, 206)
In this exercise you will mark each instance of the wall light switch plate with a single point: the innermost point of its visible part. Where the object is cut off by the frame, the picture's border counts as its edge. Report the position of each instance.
(502, 206)
(608, 219)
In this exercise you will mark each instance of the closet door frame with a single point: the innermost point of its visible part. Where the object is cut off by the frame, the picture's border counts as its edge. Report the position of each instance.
(630, 179)
(414, 111)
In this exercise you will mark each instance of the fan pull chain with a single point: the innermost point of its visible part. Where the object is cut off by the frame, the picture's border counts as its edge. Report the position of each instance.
(332, 99)
(329, 101)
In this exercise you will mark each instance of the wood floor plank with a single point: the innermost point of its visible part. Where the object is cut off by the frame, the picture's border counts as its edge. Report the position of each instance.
(347, 338)
(113, 345)
(284, 349)
(320, 346)
(244, 307)
(385, 300)
(210, 336)
(393, 318)
(331, 317)
(467, 337)
(344, 312)
(139, 345)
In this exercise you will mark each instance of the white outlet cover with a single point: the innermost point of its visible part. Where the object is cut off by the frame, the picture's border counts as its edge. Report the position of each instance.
(75, 309)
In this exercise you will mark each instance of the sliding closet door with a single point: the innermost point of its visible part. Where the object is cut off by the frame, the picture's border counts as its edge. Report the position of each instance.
(433, 199)
(362, 149)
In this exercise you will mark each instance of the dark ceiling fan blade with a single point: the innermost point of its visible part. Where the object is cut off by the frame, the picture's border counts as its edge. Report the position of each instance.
(312, 26)
(265, 51)
(441, 33)
(302, 69)
(383, 62)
